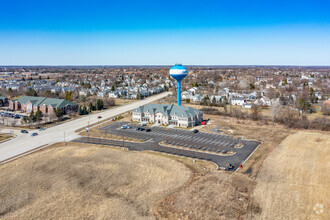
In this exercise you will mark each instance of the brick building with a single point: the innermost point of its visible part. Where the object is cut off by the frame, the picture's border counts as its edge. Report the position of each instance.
(46, 105)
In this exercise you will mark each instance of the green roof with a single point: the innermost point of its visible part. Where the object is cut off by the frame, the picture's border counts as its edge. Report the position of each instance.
(165, 109)
(55, 103)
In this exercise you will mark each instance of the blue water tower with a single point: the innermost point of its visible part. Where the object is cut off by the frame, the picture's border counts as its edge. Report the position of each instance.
(178, 72)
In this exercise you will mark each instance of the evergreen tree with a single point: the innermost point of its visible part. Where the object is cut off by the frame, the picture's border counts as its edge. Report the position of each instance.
(214, 100)
(31, 92)
(32, 116)
(91, 107)
(59, 113)
(39, 115)
(99, 104)
(80, 110)
(85, 111)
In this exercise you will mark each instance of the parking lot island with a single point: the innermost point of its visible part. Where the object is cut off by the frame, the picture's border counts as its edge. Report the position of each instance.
(217, 148)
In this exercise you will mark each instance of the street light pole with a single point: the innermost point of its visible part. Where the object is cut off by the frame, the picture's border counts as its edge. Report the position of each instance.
(88, 131)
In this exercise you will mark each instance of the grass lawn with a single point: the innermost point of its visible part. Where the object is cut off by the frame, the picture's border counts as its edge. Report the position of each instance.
(5, 136)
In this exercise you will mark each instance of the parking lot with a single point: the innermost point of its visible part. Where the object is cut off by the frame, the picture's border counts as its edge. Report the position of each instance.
(221, 149)
(10, 114)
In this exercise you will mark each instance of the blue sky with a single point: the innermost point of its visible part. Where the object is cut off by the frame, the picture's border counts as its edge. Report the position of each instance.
(159, 32)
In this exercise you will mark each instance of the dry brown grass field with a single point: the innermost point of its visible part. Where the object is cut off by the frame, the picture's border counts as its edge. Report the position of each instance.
(87, 182)
(4, 137)
(287, 179)
(294, 178)
(269, 135)
(284, 179)
(265, 111)
(120, 102)
(213, 195)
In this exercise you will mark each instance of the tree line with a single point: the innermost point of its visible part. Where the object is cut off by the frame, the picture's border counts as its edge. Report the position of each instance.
(291, 118)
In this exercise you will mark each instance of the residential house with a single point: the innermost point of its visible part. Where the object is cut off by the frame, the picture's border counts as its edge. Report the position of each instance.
(197, 98)
(238, 100)
(114, 94)
(216, 98)
(264, 101)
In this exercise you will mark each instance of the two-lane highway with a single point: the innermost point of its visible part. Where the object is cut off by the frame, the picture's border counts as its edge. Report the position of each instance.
(24, 143)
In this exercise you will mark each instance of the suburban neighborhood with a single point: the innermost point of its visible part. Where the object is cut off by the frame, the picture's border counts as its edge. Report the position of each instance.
(170, 110)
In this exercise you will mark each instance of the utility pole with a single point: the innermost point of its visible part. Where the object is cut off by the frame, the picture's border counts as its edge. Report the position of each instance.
(88, 131)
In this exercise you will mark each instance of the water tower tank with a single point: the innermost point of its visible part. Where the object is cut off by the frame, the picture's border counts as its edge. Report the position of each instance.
(178, 72)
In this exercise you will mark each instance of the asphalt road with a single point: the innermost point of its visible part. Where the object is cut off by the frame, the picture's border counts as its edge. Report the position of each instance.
(24, 142)
(201, 145)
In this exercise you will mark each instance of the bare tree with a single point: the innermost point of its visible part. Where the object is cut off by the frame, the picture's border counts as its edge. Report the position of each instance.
(52, 117)
(72, 114)
(256, 109)
(13, 122)
(326, 108)
(108, 102)
(2, 119)
(275, 109)
(6, 121)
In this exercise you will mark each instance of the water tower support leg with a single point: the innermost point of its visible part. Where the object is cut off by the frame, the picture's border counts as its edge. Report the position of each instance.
(178, 88)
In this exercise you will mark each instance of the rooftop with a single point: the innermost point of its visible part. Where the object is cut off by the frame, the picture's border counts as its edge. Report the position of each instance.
(166, 109)
(55, 103)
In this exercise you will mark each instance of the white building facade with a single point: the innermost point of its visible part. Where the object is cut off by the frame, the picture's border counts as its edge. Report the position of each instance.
(180, 116)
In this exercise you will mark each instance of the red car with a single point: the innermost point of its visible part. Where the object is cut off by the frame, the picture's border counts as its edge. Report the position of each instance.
(203, 122)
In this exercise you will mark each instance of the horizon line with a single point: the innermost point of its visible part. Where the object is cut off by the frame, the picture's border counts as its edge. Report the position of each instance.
(165, 65)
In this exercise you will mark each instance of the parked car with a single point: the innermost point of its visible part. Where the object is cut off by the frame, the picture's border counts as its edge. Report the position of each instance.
(138, 129)
(34, 134)
(148, 130)
(142, 129)
(143, 124)
(42, 129)
(24, 131)
(123, 126)
(195, 131)
(129, 127)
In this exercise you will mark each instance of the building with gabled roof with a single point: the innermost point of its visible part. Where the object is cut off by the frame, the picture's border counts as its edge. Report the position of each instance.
(238, 100)
(180, 116)
(46, 105)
